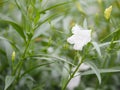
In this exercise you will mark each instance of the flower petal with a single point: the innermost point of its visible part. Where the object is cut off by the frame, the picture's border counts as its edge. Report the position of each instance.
(80, 37)
(76, 29)
(78, 46)
(73, 39)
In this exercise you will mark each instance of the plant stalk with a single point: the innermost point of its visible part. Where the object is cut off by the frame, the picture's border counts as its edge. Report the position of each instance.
(72, 75)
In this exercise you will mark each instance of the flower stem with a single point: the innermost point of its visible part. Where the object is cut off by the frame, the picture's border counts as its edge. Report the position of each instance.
(72, 75)
(23, 56)
(19, 65)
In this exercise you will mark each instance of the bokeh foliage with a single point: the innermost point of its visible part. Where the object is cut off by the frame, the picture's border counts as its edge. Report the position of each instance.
(37, 31)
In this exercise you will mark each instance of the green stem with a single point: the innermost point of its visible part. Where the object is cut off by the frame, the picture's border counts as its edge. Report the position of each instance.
(19, 65)
(72, 75)
(23, 56)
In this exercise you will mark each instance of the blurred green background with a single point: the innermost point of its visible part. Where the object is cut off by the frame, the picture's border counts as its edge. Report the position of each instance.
(49, 38)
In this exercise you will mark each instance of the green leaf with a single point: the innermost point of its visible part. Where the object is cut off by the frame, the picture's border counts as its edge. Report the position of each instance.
(7, 48)
(109, 70)
(38, 32)
(21, 7)
(65, 74)
(33, 68)
(17, 27)
(40, 23)
(55, 57)
(26, 22)
(96, 46)
(95, 69)
(8, 81)
(106, 43)
(43, 11)
(85, 26)
(12, 43)
(115, 31)
(2, 38)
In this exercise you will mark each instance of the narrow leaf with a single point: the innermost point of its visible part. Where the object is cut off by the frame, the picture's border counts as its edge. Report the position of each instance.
(43, 11)
(96, 46)
(85, 24)
(8, 81)
(95, 69)
(40, 23)
(118, 29)
(12, 43)
(106, 43)
(55, 57)
(33, 68)
(7, 48)
(17, 27)
(111, 70)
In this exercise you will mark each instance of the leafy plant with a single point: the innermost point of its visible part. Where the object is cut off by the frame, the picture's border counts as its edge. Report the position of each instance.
(36, 31)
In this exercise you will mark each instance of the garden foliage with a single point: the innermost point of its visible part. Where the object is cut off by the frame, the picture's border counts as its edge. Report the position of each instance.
(35, 54)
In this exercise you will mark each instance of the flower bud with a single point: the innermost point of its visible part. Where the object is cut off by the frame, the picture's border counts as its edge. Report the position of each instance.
(13, 56)
(99, 1)
(107, 12)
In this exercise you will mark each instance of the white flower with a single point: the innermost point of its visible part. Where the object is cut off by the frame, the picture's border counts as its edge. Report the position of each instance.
(84, 67)
(80, 37)
(50, 49)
